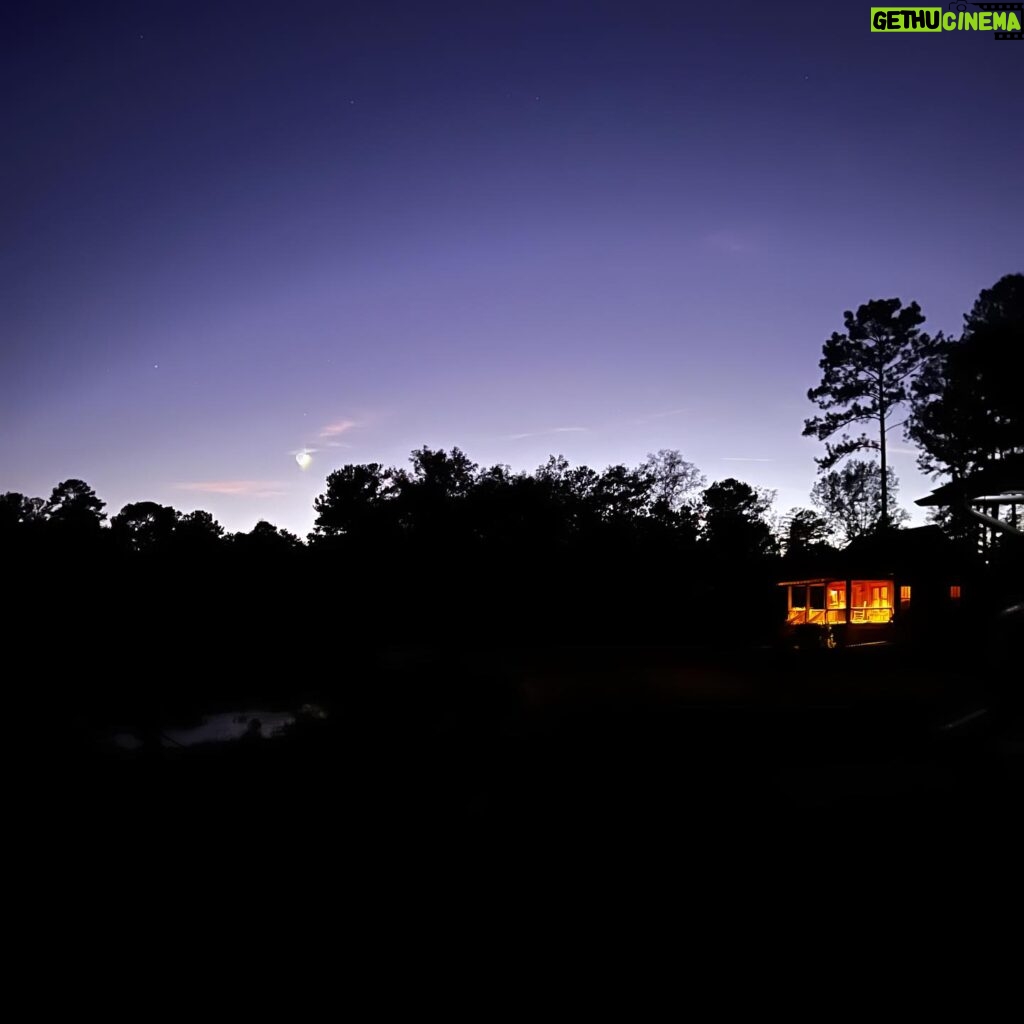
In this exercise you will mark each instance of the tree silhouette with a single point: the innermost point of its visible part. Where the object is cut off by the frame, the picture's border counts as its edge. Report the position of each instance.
(966, 407)
(431, 500)
(442, 474)
(569, 493)
(734, 520)
(866, 373)
(804, 531)
(509, 509)
(73, 505)
(519, 510)
(622, 495)
(144, 526)
(850, 499)
(197, 532)
(673, 479)
(354, 502)
(266, 539)
(17, 510)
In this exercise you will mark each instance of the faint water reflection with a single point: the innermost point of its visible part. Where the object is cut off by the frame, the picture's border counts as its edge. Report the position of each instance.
(224, 727)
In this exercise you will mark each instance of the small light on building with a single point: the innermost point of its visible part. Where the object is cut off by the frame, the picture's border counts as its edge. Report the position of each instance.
(954, 592)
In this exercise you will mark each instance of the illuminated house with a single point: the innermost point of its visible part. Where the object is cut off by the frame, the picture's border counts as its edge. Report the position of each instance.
(845, 610)
(906, 585)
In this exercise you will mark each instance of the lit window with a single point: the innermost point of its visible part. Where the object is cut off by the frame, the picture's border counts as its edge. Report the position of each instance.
(836, 603)
(871, 601)
(904, 595)
(954, 592)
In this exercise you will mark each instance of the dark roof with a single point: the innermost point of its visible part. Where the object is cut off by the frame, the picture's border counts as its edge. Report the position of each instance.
(993, 478)
(920, 549)
(923, 551)
(918, 540)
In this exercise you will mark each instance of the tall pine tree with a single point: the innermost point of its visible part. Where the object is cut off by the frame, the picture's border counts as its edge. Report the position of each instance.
(866, 375)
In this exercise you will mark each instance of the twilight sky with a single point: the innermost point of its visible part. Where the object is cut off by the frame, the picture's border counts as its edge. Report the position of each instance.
(232, 231)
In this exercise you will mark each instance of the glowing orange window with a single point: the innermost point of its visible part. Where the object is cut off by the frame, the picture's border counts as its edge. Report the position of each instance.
(871, 601)
(954, 592)
(836, 602)
(904, 595)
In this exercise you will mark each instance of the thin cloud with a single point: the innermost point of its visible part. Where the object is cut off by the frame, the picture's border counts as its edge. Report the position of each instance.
(728, 241)
(545, 433)
(660, 415)
(337, 428)
(741, 458)
(242, 488)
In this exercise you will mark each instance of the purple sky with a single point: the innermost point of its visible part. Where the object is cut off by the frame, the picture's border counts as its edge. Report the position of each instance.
(523, 229)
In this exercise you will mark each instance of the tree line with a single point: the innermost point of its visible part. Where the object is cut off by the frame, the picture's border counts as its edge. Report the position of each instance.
(444, 522)
(960, 402)
(442, 497)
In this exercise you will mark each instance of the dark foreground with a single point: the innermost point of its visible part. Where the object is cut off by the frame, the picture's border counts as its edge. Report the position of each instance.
(628, 746)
